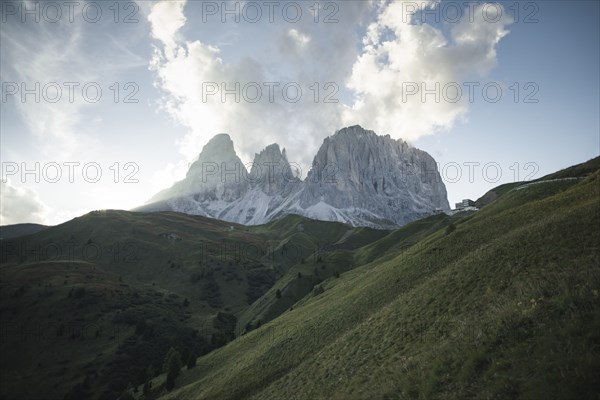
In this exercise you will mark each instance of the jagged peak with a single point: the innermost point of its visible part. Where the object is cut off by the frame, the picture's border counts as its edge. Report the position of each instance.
(371, 170)
(218, 144)
(220, 138)
(219, 149)
(354, 129)
(270, 154)
(357, 131)
(272, 149)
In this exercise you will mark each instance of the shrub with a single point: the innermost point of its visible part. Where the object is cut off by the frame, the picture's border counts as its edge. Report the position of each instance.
(225, 324)
(173, 367)
(259, 282)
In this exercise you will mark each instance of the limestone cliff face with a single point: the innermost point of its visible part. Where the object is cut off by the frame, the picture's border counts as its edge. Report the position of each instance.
(357, 177)
(218, 173)
(357, 169)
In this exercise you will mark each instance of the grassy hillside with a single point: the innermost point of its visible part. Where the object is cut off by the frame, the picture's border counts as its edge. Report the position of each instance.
(93, 305)
(578, 171)
(74, 328)
(13, 231)
(325, 261)
(506, 305)
(499, 303)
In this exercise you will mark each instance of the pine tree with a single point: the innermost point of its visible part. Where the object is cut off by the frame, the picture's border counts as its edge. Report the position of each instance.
(172, 367)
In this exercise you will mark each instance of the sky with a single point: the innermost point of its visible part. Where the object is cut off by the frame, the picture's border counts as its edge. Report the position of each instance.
(106, 103)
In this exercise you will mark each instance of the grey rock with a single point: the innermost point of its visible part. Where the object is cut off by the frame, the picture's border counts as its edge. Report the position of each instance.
(357, 177)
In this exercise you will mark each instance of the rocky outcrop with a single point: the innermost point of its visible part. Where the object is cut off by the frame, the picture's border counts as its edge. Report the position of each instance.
(356, 177)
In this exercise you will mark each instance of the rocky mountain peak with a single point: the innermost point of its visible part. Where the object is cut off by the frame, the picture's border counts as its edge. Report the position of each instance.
(218, 149)
(355, 130)
(356, 168)
(218, 170)
(216, 162)
(271, 170)
(357, 177)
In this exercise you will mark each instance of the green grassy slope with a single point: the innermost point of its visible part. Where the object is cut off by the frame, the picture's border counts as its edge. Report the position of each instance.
(576, 171)
(13, 231)
(66, 321)
(355, 248)
(145, 282)
(505, 306)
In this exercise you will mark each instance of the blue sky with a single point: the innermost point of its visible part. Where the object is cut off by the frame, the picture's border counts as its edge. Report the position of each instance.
(561, 54)
(368, 53)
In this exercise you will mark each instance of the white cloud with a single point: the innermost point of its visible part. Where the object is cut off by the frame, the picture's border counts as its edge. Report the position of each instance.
(164, 178)
(394, 52)
(166, 18)
(20, 204)
(299, 38)
(189, 70)
(418, 54)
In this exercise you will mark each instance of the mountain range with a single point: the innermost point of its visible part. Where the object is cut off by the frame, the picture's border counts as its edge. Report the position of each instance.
(491, 304)
(357, 177)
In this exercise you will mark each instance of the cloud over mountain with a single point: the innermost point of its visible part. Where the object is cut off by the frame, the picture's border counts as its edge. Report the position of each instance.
(18, 204)
(367, 82)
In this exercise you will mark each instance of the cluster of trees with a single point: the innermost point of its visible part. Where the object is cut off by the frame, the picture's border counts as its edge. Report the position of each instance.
(211, 292)
(175, 359)
(260, 280)
(172, 367)
(173, 364)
